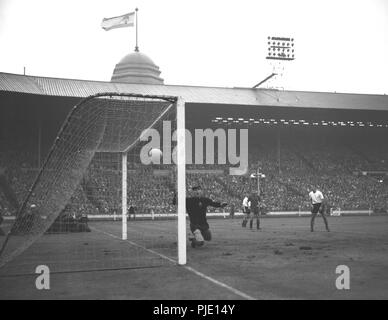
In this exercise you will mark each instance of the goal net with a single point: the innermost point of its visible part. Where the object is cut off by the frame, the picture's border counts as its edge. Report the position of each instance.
(102, 180)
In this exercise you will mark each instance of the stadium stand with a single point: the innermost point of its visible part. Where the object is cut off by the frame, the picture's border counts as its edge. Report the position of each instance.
(340, 166)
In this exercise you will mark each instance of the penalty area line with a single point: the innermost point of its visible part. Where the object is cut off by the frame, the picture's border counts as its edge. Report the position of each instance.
(200, 274)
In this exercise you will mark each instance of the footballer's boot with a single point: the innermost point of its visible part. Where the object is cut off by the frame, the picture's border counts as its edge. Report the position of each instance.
(198, 240)
(192, 240)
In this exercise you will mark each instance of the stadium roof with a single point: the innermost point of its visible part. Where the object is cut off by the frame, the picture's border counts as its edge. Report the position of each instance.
(196, 95)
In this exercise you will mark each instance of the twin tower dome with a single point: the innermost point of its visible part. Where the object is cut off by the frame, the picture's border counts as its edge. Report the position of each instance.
(136, 67)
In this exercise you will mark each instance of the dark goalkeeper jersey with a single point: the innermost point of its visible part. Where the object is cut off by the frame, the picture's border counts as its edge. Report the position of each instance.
(196, 208)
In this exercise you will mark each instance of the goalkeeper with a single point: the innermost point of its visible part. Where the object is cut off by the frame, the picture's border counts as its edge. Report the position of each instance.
(196, 207)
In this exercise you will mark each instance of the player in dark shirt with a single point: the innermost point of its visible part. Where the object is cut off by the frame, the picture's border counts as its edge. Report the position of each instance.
(254, 200)
(196, 207)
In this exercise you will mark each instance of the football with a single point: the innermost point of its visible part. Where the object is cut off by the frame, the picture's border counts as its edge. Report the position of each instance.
(156, 155)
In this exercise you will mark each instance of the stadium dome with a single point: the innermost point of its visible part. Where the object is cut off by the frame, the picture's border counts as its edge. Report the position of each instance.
(137, 67)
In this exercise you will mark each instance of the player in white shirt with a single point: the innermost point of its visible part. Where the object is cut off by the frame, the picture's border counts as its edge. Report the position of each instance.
(317, 201)
(246, 211)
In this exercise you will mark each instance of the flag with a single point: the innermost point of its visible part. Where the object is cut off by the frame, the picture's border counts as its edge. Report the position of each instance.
(126, 20)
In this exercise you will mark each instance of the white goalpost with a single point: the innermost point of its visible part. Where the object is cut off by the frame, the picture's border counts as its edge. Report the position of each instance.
(124, 211)
(181, 183)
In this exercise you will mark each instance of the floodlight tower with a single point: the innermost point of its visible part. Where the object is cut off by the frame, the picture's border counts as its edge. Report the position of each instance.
(258, 175)
(280, 50)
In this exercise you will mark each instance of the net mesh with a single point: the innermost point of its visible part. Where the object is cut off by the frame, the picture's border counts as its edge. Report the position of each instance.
(81, 178)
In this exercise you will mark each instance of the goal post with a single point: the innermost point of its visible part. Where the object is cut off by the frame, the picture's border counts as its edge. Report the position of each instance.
(181, 183)
(95, 168)
(124, 200)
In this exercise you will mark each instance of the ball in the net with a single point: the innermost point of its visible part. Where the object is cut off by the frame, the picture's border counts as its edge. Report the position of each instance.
(156, 155)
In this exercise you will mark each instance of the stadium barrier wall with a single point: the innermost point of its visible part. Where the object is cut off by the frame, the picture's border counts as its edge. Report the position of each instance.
(160, 216)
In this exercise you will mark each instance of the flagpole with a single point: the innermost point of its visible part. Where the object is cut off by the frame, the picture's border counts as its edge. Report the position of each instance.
(136, 48)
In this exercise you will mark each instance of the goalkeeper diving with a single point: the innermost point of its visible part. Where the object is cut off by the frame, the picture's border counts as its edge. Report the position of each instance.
(196, 207)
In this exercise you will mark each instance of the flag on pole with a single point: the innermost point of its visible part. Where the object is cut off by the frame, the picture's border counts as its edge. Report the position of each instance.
(126, 20)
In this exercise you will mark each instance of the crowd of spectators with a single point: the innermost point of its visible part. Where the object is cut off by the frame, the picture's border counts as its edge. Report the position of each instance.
(291, 167)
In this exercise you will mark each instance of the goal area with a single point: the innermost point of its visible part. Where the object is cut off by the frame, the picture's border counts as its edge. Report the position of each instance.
(101, 182)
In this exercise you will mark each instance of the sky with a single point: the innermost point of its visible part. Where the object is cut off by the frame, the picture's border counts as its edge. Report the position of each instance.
(340, 45)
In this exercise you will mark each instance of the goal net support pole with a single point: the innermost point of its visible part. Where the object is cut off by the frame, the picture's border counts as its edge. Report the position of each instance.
(181, 183)
(124, 179)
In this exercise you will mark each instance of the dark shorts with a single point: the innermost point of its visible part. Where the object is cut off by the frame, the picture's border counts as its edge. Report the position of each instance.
(315, 208)
(205, 231)
(255, 211)
(247, 210)
(323, 209)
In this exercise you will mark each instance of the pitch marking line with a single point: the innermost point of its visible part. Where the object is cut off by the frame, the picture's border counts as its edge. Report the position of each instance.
(219, 283)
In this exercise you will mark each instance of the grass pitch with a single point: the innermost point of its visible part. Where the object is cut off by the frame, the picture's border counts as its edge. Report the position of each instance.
(282, 261)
